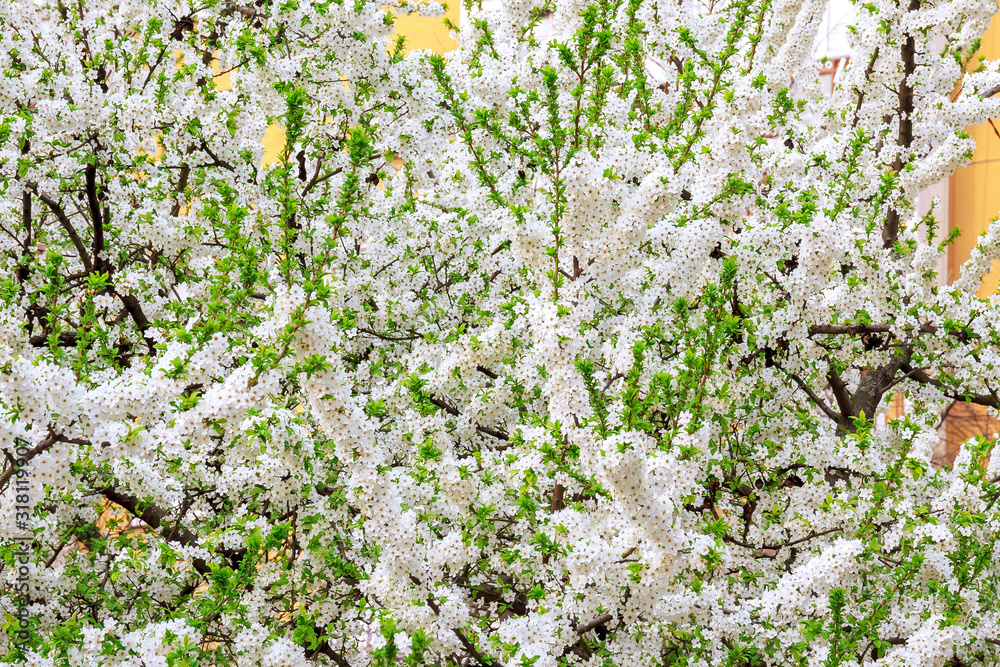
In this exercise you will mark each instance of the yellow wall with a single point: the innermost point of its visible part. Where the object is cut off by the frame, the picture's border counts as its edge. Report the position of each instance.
(974, 199)
(428, 32)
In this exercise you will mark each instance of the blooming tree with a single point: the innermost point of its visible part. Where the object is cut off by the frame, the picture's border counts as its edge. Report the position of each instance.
(514, 356)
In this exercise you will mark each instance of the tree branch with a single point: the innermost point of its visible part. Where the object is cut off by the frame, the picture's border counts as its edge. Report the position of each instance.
(26, 219)
(590, 625)
(66, 225)
(857, 329)
(40, 448)
(487, 372)
(918, 374)
(156, 518)
(819, 402)
(452, 410)
(471, 648)
(841, 393)
(874, 385)
(990, 92)
(328, 651)
(134, 309)
(904, 137)
(90, 175)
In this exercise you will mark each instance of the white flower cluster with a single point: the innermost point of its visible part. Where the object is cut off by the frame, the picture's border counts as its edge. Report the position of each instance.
(578, 345)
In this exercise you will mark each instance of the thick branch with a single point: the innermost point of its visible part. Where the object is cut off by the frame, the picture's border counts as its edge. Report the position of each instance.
(771, 550)
(590, 625)
(66, 225)
(991, 92)
(40, 448)
(874, 385)
(328, 651)
(26, 219)
(471, 648)
(841, 393)
(181, 186)
(317, 179)
(485, 430)
(95, 214)
(245, 12)
(813, 396)
(557, 498)
(134, 309)
(904, 137)
(156, 518)
(216, 161)
(26, 211)
(919, 375)
(861, 94)
(182, 179)
(487, 372)
(857, 329)
(466, 642)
